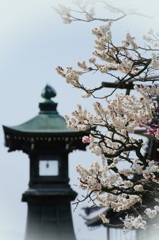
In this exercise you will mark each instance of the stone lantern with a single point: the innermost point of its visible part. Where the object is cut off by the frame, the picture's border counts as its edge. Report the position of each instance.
(47, 142)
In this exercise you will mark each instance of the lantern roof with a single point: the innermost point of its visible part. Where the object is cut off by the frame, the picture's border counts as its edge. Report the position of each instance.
(47, 121)
(47, 126)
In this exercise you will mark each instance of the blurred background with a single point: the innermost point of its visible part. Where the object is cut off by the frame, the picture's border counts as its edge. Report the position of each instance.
(33, 42)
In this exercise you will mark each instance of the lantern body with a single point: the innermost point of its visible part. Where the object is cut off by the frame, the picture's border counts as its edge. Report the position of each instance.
(47, 141)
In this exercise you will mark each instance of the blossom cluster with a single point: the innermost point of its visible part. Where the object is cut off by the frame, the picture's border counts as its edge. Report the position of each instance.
(100, 180)
(110, 128)
(152, 213)
(151, 93)
(72, 76)
(148, 91)
(67, 17)
(116, 121)
(64, 13)
(136, 222)
(123, 113)
(126, 59)
(152, 37)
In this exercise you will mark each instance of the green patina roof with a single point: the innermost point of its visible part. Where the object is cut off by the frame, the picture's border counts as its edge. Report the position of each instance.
(48, 119)
(51, 122)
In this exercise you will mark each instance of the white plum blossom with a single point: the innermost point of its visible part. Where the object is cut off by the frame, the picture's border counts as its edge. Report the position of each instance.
(136, 222)
(114, 116)
(104, 219)
(152, 38)
(138, 188)
(156, 208)
(151, 213)
(125, 174)
(64, 13)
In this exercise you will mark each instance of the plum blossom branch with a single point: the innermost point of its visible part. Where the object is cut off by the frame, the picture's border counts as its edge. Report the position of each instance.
(125, 62)
(132, 189)
(84, 14)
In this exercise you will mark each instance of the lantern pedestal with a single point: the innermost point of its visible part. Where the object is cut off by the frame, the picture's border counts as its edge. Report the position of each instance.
(49, 214)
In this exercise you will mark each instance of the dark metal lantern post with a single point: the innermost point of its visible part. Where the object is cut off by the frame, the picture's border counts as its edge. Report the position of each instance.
(47, 141)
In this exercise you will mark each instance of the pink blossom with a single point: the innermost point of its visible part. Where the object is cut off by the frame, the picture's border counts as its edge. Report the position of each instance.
(151, 131)
(85, 139)
(148, 122)
(154, 125)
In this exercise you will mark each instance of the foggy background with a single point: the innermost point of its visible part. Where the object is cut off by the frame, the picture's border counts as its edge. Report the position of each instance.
(33, 42)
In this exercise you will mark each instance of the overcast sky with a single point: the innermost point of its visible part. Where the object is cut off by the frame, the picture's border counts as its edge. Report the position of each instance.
(33, 42)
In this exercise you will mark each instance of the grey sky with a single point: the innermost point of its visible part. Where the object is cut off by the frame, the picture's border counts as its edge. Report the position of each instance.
(33, 41)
